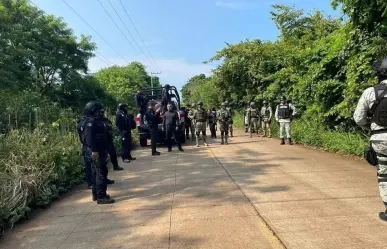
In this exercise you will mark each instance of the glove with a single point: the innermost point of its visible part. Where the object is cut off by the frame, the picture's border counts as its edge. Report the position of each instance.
(177, 128)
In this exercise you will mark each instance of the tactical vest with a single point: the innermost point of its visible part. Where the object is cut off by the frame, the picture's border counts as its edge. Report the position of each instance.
(379, 108)
(200, 115)
(284, 111)
(265, 112)
(223, 115)
(253, 113)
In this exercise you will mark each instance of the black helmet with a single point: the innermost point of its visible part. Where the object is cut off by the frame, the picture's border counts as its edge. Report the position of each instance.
(283, 98)
(200, 102)
(122, 106)
(92, 108)
(167, 86)
(381, 67)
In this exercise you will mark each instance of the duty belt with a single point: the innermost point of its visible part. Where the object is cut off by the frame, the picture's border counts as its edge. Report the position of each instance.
(201, 120)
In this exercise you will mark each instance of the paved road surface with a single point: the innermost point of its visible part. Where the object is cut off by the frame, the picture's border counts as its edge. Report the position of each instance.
(252, 193)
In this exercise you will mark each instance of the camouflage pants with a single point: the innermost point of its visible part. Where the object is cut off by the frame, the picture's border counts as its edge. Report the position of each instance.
(223, 127)
(266, 128)
(200, 127)
(380, 148)
(285, 128)
(254, 125)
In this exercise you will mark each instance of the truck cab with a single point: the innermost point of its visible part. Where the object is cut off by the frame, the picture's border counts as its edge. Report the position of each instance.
(155, 94)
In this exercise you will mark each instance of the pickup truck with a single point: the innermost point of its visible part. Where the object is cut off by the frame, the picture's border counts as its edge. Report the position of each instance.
(154, 94)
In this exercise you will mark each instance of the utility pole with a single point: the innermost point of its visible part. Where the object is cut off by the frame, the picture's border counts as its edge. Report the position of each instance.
(152, 73)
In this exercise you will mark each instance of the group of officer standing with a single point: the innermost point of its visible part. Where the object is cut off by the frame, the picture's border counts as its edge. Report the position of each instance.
(256, 120)
(95, 132)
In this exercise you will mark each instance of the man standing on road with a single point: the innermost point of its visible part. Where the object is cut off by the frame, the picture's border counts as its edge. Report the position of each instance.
(253, 116)
(200, 119)
(125, 123)
(246, 119)
(95, 137)
(230, 121)
(212, 122)
(171, 125)
(191, 117)
(284, 114)
(223, 117)
(371, 113)
(266, 114)
(110, 146)
(152, 121)
(87, 160)
(188, 122)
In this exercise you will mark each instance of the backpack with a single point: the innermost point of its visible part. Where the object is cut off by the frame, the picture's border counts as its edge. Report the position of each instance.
(379, 108)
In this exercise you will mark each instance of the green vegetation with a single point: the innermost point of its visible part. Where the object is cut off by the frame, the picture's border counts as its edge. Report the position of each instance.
(323, 64)
(44, 85)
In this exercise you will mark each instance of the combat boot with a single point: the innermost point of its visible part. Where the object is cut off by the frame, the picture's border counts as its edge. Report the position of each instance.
(108, 181)
(117, 168)
(290, 141)
(383, 216)
(282, 141)
(95, 196)
(105, 200)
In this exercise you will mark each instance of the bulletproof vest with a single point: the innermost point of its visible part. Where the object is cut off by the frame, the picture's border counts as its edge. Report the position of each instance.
(253, 113)
(200, 115)
(284, 111)
(379, 108)
(223, 114)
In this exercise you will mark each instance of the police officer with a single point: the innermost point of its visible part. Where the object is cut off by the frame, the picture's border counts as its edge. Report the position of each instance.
(171, 125)
(370, 113)
(86, 159)
(188, 121)
(212, 122)
(231, 121)
(125, 123)
(266, 114)
(191, 116)
(246, 119)
(152, 121)
(166, 99)
(223, 118)
(95, 138)
(284, 114)
(253, 116)
(110, 145)
(141, 102)
(200, 119)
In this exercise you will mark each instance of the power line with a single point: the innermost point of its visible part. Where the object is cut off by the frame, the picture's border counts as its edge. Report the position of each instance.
(118, 27)
(145, 56)
(127, 14)
(94, 30)
(97, 55)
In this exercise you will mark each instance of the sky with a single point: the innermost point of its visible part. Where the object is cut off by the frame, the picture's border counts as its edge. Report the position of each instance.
(179, 34)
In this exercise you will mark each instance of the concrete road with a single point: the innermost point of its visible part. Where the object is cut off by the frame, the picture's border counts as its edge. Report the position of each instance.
(251, 193)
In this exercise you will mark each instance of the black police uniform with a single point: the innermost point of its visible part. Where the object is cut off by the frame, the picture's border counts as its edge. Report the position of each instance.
(86, 159)
(95, 135)
(125, 123)
(110, 144)
(166, 99)
(212, 123)
(170, 122)
(152, 118)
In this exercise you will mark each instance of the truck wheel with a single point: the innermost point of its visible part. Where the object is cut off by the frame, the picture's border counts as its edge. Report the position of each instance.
(143, 141)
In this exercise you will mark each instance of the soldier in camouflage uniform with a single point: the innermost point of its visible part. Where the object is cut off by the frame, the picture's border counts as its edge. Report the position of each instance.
(200, 118)
(223, 118)
(246, 119)
(253, 116)
(231, 121)
(266, 114)
(370, 113)
(191, 116)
